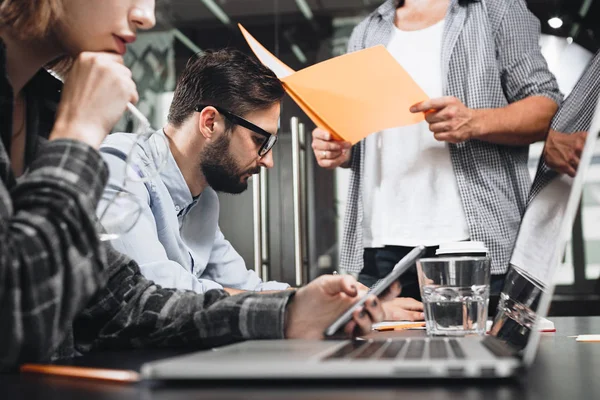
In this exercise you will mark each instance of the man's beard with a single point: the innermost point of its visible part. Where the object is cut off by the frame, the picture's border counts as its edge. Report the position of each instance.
(220, 170)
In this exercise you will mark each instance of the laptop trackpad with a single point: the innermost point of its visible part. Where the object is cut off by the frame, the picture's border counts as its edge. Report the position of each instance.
(270, 350)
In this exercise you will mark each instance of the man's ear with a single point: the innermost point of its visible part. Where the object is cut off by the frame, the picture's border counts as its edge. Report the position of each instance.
(209, 122)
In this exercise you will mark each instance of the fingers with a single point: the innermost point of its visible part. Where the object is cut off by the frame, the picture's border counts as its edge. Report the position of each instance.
(329, 153)
(399, 310)
(568, 169)
(361, 287)
(440, 127)
(392, 292)
(331, 163)
(433, 104)
(336, 284)
(408, 303)
(446, 137)
(320, 143)
(363, 322)
(321, 134)
(374, 308)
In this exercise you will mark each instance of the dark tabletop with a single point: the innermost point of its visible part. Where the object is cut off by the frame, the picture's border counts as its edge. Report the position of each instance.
(564, 370)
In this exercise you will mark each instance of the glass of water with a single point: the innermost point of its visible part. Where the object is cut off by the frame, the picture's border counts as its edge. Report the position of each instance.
(455, 292)
(518, 307)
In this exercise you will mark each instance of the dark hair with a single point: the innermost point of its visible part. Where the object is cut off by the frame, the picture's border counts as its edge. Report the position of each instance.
(227, 78)
(400, 3)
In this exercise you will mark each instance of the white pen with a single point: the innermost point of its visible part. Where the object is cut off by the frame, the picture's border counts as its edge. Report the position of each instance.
(138, 115)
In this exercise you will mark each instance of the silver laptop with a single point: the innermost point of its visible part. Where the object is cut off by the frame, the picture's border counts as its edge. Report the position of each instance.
(510, 347)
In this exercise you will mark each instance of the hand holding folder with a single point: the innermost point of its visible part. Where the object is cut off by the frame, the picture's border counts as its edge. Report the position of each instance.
(352, 95)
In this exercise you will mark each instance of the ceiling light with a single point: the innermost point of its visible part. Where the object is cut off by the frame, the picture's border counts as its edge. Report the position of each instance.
(555, 22)
(217, 11)
(299, 53)
(305, 9)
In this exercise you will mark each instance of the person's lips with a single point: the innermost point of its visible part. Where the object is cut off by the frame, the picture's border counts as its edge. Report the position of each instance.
(121, 45)
(122, 42)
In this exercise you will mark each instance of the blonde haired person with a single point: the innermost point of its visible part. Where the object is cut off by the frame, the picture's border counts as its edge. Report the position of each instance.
(62, 291)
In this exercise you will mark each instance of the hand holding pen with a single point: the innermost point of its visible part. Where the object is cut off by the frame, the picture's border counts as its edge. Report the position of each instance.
(97, 91)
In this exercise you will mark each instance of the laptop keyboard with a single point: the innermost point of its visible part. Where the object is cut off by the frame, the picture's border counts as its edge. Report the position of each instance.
(416, 349)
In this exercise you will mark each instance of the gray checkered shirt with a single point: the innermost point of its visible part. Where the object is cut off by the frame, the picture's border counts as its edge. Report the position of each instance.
(490, 58)
(574, 115)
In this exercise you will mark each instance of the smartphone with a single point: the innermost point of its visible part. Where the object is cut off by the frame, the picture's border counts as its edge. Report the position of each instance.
(407, 261)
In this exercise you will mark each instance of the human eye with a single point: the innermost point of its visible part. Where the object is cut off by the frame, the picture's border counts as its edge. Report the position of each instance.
(257, 140)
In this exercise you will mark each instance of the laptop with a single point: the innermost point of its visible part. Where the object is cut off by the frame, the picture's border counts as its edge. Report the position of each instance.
(510, 347)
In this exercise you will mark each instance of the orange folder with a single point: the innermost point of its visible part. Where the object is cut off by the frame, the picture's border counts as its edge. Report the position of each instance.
(352, 95)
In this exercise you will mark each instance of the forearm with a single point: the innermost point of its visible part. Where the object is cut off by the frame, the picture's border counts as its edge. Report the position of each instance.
(518, 124)
(133, 312)
(50, 259)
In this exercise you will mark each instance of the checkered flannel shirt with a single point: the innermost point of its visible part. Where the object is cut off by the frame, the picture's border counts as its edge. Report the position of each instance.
(62, 291)
(490, 58)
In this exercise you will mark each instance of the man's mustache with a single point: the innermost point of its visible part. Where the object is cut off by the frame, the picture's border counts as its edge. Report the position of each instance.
(253, 171)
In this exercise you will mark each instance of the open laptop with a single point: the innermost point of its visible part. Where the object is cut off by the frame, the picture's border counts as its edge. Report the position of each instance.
(509, 348)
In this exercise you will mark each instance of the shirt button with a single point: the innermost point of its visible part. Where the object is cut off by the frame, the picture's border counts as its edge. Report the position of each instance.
(177, 208)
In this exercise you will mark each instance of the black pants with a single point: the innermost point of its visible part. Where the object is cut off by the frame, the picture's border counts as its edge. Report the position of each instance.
(378, 262)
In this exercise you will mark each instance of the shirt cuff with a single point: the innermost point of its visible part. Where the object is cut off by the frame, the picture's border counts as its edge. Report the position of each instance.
(272, 285)
(263, 316)
(71, 164)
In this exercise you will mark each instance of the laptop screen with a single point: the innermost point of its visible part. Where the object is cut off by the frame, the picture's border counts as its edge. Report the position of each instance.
(543, 235)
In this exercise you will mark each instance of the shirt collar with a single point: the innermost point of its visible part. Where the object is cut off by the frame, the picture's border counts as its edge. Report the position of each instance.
(387, 10)
(175, 182)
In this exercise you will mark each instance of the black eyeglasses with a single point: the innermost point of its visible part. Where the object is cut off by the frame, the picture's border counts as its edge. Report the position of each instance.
(270, 139)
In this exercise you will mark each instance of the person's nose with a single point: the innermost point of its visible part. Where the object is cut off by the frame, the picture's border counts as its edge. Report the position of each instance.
(267, 160)
(142, 14)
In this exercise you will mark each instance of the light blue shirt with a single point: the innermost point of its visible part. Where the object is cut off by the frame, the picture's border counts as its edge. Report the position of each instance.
(176, 241)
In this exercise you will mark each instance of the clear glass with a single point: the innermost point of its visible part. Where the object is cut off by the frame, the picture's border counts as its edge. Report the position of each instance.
(119, 210)
(455, 292)
(517, 308)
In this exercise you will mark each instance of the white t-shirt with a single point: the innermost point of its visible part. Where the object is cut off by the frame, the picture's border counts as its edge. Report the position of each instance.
(410, 193)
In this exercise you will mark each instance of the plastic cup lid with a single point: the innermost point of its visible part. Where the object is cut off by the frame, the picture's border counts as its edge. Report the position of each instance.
(461, 247)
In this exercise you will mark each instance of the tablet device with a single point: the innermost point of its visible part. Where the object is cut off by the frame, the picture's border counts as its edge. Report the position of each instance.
(407, 261)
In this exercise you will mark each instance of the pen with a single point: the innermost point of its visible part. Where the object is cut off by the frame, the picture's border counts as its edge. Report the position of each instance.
(400, 326)
(139, 116)
(116, 375)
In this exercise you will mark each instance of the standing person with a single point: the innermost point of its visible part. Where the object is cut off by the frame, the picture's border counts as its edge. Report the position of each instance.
(462, 173)
(62, 290)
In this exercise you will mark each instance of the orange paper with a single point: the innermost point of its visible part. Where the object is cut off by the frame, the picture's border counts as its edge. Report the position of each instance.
(352, 95)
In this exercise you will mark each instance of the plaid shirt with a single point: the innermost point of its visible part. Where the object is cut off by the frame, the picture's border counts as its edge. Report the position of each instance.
(497, 43)
(574, 115)
(64, 291)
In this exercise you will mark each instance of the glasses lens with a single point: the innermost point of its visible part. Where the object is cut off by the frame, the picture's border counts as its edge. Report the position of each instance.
(119, 212)
(268, 145)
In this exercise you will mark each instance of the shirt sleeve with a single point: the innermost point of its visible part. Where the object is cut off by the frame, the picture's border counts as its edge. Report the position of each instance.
(141, 242)
(524, 69)
(227, 267)
(51, 260)
(577, 111)
(133, 312)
